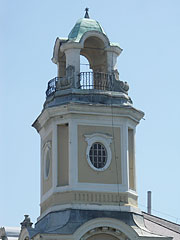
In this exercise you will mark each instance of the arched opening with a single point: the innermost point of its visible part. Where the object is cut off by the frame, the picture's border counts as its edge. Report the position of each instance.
(95, 76)
(84, 64)
(86, 73)
(94, 51)
(105, 228)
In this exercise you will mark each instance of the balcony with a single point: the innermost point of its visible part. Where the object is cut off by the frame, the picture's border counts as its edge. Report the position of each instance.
(87, 81)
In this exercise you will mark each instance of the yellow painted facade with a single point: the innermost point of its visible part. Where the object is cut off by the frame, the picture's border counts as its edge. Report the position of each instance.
(112, 175)
(63, 155)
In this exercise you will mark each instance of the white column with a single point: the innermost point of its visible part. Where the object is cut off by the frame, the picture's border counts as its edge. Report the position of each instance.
(54, 157)
(73, 59)
(58, 69)
(111, 61)
(124, 157)
(41, 172)
(134, 154)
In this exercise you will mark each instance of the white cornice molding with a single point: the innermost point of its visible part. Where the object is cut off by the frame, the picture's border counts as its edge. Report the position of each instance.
(98, 109)
(114, 49)
(70, 45)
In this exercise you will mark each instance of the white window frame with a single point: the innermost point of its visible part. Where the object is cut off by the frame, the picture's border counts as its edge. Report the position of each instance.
(106, 141)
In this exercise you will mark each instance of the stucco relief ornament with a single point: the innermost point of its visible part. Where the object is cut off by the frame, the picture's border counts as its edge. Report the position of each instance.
(68, 80)
(27, 222)
(98, 142)
(3, 235)
(118, 85)
(47, 158)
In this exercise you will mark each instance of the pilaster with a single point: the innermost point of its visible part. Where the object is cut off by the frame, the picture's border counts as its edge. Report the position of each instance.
(124, 158)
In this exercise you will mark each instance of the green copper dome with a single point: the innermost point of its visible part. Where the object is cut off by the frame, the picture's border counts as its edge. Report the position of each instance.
(82, 26)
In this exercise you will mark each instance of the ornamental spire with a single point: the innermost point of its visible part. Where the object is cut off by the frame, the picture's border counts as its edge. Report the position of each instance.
(86, 14)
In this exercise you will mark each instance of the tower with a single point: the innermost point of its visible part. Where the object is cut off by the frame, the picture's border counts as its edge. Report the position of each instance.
(87, 130)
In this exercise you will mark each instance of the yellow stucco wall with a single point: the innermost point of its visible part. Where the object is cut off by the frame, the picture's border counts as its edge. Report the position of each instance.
(112, 175)
(63, 155)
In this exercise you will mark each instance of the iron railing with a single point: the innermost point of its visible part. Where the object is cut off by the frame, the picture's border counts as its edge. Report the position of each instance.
(87, 80)
(95, 80)
(51, 86)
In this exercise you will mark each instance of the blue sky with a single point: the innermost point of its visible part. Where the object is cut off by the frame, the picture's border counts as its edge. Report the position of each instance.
(149, 33)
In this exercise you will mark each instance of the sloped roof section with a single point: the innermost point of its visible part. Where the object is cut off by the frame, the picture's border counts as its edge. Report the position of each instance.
(162, 226)
(82, 26)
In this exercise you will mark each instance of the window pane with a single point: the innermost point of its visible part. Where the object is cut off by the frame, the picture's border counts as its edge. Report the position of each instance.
(98, 158)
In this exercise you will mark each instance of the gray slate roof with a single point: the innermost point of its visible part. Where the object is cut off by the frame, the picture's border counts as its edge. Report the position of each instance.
(162, 226)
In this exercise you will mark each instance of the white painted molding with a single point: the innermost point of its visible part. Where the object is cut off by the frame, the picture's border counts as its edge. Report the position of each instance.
(89, 187)
(106, 141)
(129, 113)
(111, 223)
(71, 45)
(54, 156)
(96, 34)
(124, 156)
(45, 196)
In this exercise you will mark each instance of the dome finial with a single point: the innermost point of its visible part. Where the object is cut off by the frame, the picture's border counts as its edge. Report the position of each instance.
(86, 14)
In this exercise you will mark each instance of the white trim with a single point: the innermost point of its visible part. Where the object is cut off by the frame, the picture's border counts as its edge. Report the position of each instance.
(134, 153)
(89, 187)
(41, 171)
(101, 122)
(95, 187)
(71, 46)
(47, 129)
(87, 229)
(106, 141)
(131, 124)
(127, 116)
(130, 113)
(54, 156)
(99, 187)
(124, 157)
(96, 34)
(47, 195)
(90, 207)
